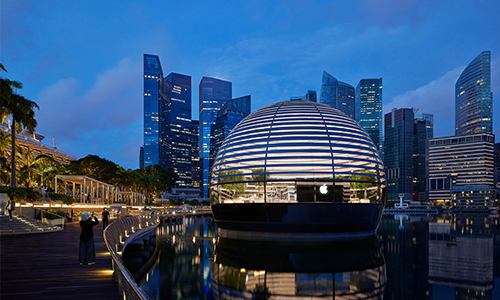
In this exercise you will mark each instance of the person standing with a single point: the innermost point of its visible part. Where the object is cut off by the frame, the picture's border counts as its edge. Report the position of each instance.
(105, 218)
(11, 206)
(87, 249)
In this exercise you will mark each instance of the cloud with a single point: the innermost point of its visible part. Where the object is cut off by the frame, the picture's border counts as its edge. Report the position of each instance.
(100, 119)
(396, 12)
(436, 97)
(114, 100)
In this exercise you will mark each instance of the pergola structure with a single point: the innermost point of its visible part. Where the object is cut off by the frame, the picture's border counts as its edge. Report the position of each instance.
(88, 190)
(132, 198)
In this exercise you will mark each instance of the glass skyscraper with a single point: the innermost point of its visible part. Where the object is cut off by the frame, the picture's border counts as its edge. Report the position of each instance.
(369, 109)
(175, 144)
(473, 97)
(231, 113)
(337, 94)
(195, 154)
(213, 93)
(404, 159)
(153, 77)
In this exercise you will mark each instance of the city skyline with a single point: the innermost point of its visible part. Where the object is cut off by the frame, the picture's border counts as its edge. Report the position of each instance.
(87, 79)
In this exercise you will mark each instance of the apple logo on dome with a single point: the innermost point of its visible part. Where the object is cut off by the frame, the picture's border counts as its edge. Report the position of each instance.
(323, 189)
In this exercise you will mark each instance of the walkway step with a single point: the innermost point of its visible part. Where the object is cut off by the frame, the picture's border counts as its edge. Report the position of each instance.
(24, 225)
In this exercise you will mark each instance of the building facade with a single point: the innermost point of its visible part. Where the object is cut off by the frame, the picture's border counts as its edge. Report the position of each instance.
(153, 81)
(497, 165)
(310, 96)
(459, 161)
(195, 154)
(176, 143)
(337, 94)
(404, 155)
(368, 108)
(398, 151)
(213, 93)
(473, 97)
(231, 113)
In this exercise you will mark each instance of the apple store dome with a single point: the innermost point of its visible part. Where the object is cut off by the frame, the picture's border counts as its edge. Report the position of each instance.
(295, 152)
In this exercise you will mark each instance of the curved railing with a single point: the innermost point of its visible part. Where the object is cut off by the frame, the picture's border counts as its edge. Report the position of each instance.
(116, 236)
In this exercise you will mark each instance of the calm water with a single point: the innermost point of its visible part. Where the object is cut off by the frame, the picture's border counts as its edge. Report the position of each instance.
(439, 257)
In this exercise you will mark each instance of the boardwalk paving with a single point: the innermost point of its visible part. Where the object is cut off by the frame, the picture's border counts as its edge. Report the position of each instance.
(45, 266)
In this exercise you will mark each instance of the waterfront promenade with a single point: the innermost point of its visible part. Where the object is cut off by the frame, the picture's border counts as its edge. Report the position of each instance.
(45, 266)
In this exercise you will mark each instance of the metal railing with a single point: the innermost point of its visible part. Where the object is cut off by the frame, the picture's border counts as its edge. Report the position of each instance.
(116, 236)
(43, 211)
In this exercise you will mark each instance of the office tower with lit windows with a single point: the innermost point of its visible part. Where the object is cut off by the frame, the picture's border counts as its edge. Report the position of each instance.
(195, 154)
(497, 164)
(404, 154)
(153, 81)
(337, 94)
(231, 113)
(368, 108)
(175, 128)
(473, 97)
(422, 132)
(213, 93)
(461, 170)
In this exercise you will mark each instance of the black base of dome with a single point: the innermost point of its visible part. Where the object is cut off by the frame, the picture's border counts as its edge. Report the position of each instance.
(308, 221)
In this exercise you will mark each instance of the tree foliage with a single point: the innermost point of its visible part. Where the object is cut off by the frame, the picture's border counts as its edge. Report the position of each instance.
(20, 110)
(237, 187)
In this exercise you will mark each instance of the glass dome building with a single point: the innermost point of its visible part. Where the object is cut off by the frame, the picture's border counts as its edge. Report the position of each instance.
(297, 169)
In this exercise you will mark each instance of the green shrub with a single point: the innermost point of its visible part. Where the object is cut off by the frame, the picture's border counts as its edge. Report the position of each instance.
(32, 195)
(18, 193)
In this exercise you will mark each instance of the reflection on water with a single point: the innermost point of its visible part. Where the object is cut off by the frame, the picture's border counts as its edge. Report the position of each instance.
(442, 257)
(269, 270)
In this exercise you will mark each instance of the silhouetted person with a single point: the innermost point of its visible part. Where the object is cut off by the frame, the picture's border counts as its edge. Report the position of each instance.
(87, 249)
(11, 206)
(105, 218)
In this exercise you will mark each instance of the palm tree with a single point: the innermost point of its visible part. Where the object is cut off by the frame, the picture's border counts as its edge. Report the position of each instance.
(4, 171)
(4, 143)
(31, 163)
(7, 88)
(21, 110)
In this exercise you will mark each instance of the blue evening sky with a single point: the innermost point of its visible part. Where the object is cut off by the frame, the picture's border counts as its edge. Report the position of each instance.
(81, 60)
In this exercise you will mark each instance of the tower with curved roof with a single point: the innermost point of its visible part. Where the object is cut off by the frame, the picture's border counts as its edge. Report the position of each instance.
(473, 97)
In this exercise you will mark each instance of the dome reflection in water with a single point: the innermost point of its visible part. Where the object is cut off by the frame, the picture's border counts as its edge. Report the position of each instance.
(244, 269)
(189, 262)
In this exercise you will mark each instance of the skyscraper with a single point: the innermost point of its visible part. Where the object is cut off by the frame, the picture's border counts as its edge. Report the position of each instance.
(310, 96)
(153, 78)
(422, 132)
(398, 153)
(213, 93)
(404, 160)
(195, 154)
(369, 109)
(175, 128)
(337, 94)
(231, 113)
(473, 97)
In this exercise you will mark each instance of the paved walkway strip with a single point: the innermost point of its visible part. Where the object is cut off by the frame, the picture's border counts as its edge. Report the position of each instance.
(45, 266)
